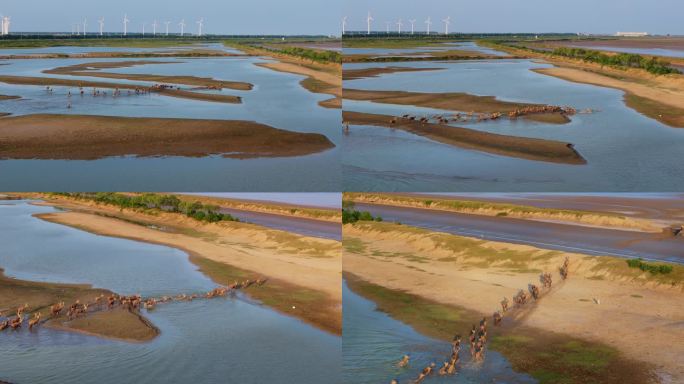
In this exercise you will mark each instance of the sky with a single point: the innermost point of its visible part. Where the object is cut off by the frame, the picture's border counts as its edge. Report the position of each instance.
(289, 17)
(516, 16)
(314, 199)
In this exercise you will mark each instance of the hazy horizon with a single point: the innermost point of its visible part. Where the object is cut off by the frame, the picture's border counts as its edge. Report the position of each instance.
(256, 17)
(528, 16)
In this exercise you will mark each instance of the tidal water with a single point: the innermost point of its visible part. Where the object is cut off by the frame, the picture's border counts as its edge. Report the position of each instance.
(276, 100)
(228, 340)
(374, 342)
(625, 150)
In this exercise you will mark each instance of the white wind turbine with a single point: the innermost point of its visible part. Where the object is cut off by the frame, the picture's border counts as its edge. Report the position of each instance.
(399, 24)
(2, 26)
(344, 24)
(387, 24)
(125, 23)
(144, 29)
(154, 28)
(167, 27)
(446, 21)
(182, 25)
(200, 23)
(413, 23)
(6, 21)
(85, 22)
(428, 22)
(101, 21)
(78, 29)
(368, 21)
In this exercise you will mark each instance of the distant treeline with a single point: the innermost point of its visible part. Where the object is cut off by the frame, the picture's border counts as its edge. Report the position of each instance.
(319, 56)
(166, 203)
(351, 215)
(629, 60)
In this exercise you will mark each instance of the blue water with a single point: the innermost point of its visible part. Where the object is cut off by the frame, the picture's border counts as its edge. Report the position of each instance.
(374, 342)
(232, 339)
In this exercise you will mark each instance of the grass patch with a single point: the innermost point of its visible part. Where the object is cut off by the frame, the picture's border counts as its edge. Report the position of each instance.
(652, 268)
(312, 306)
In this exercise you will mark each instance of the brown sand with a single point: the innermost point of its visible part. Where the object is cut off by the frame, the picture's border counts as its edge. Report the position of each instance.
(89, 69)
(451, 102)
(51, 81)
(355, 74)
(637, 314)
(520, 147)
(318, 81)
(118, 324)
(85, 137)
(6, 97)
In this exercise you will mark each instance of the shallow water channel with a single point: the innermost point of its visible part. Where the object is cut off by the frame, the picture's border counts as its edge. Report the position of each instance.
(230, 340)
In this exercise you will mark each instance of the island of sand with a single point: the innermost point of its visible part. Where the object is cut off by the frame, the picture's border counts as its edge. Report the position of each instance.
(83, 137)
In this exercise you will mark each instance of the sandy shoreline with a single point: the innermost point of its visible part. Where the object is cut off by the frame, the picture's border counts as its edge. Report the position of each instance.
(307, 269)
(520, 147)
(404, 258)
(83, 137)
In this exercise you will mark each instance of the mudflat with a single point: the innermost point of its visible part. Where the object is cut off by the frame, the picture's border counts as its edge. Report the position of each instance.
(173, 92)
(520, 147)
(83, 137)
(453, 101)
(92, 70)
(363, 73)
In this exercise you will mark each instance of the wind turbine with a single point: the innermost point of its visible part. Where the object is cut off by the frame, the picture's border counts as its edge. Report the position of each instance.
(101, 21)
(344, 24)
(200, 23)
(428, 22)
(413, 23)
(85, 22)
(368, 21)
(6, 20)
(447, 21)
(167, 27)
(125, 23)
(387, 24)
(2, 26)
(144, 29)
(182, 25)
(399, 24)
(78, 29)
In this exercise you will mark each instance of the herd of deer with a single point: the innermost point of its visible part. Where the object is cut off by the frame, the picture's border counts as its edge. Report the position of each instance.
(131, 303)
(478, 335)
(479, 117)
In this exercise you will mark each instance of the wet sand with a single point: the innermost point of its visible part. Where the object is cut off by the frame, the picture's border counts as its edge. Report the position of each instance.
(89, 69)
(475, 275)
(82, 137)
(355, 74)
(6, 97)
(304, 272)
(40, 296)
(520, 147)
(51, 81)
(456, 101)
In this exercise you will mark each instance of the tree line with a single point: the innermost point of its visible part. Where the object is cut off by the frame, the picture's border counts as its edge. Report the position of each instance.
(629, 60)
(167, 203)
